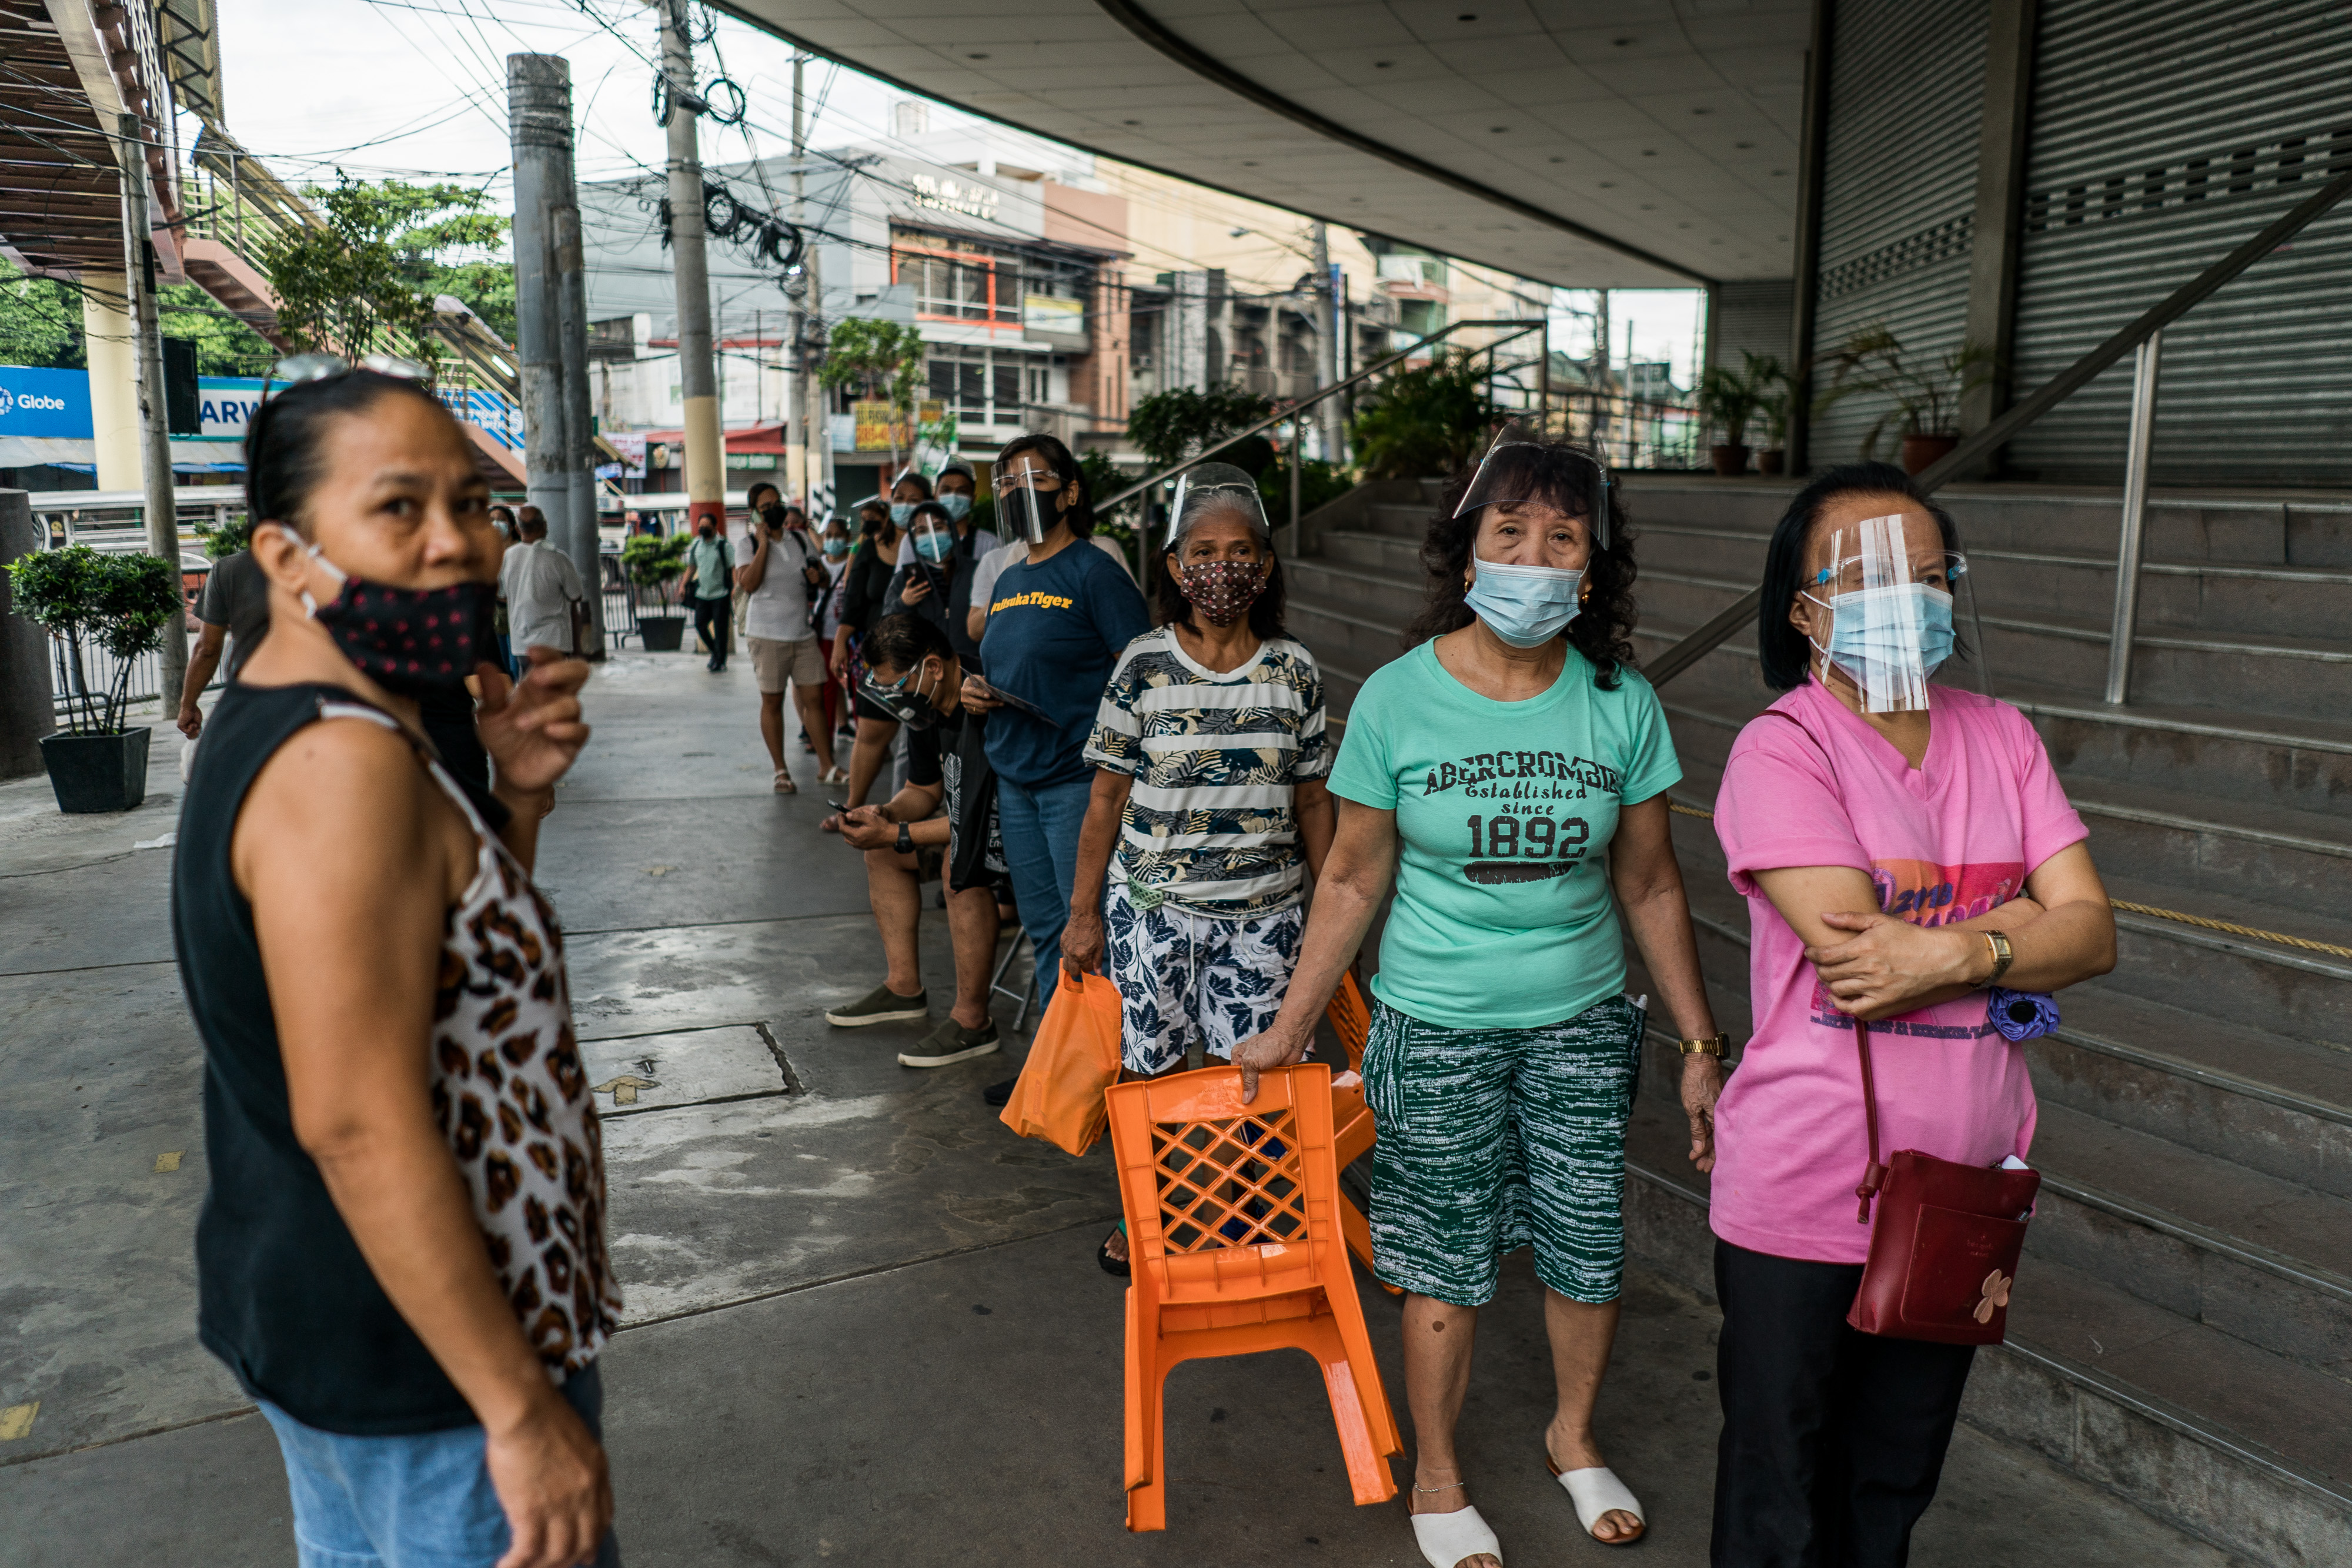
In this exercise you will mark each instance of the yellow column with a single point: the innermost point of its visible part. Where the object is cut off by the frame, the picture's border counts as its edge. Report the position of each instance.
(706, 463)
(113, 380)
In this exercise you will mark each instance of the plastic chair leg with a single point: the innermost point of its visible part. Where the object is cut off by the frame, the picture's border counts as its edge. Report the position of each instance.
(1147, 1482)
(1361, 1441)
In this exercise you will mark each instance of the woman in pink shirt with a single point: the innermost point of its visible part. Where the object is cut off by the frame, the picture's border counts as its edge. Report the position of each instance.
(1882, 829)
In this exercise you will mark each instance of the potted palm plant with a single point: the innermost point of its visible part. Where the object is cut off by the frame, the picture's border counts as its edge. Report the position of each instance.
(650, 562)
(1772, 458)
(124, 605)
(1728, 399)
(1924, 399)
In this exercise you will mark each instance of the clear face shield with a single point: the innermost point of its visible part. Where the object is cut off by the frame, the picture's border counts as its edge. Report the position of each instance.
(1026, 501)
(1540, 476)
(1889, 598)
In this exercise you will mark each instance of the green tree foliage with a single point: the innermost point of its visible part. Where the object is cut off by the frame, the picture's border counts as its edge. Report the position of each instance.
(881, 360)
(123, 604)
(385, 252)
(1425, 422)
(40, 322)
(1318, 482)
(1170, 427)
(225, 345)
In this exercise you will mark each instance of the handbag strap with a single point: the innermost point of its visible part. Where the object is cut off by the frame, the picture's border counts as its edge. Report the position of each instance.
(1874, 1176)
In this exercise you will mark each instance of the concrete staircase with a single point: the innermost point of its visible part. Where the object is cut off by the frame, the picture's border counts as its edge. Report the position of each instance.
(2182, 1331)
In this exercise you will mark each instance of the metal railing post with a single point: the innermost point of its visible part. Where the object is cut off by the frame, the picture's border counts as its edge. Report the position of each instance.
(2145, 363)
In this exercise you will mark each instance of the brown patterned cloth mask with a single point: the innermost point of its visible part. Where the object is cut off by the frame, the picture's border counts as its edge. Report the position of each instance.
(1221, 591)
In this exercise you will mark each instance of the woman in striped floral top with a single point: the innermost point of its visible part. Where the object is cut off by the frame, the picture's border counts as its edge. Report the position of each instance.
(1209, 806)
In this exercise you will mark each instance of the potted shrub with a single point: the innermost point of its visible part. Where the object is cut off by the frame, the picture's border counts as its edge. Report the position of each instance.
(1925, 399)
(650, 561)
(125, 604)
(1772, 460)
(1432, 420)
(1728, 399)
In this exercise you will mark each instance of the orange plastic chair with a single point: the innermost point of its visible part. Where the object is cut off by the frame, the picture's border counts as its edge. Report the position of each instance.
(1234, 1225)
(1351, 1119)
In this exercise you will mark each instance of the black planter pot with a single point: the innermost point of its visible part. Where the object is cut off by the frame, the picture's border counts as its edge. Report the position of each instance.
(662, 633)
(97, 772)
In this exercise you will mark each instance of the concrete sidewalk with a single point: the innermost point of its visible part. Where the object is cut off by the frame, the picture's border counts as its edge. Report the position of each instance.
(865, 1323)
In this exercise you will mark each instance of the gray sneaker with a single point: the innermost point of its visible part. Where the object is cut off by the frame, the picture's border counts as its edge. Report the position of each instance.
(882, 1005)
(951, 1042)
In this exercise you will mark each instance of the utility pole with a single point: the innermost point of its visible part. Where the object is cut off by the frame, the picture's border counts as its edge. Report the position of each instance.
(1335, 429)
(538, 117)
(1602, 394)
(161, 510)
(705, 471)
(586, 547)
(808, 324)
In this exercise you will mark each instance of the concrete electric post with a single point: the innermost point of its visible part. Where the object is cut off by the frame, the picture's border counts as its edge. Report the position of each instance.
(539, 120)
(809, 425)
(1335, 427)
(705, 471)
(551, 321)
(161, 510)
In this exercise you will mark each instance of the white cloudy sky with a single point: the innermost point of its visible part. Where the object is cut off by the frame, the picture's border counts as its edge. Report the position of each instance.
(418, 88)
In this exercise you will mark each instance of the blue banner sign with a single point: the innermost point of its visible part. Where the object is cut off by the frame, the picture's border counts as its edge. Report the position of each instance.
(54, 403)
(226, 402)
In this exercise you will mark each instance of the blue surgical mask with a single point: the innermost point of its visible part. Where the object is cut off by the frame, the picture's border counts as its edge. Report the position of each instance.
(1890, 640)
(933, 544)
(1526, 606)
(836, 548)
(899, 512)
(959, 506)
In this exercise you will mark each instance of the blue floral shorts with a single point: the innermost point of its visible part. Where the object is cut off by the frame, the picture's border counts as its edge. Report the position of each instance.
(1182, 975)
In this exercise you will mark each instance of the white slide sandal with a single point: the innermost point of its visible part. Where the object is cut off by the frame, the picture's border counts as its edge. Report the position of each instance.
(1597, 1491)
(1445, 1539)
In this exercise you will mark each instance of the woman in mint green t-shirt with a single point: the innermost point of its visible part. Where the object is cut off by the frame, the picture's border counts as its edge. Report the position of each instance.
(1511, 772)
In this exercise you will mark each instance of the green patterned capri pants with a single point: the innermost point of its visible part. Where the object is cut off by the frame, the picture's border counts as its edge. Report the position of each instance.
(1494, 1139)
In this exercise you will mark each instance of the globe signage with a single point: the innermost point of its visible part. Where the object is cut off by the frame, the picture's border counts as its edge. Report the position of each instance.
(44, 402)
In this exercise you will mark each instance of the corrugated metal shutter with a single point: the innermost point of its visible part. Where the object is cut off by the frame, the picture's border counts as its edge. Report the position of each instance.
(2163, 137)
(1898, 188)
(1752, 314)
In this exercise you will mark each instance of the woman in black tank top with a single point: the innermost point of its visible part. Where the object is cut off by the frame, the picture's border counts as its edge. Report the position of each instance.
(395, 1120)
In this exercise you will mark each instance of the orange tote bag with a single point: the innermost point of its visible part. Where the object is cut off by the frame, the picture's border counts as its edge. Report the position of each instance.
(1072, 1060)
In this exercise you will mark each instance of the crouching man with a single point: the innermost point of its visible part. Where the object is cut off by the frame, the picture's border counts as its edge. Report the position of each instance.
(916, 675)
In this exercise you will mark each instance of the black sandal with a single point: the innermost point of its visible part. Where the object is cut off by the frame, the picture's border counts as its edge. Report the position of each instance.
(1111, 1265)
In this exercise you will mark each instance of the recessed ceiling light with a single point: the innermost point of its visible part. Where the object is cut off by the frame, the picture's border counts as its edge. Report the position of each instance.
(1608, 184)
(1647, 208)
(1130, 122)
(1559, 160)
(1743, 146)
(1467, 16)
(1382, 65)
(1780, 172)
(975, 56)
(1498, 130)
(1702, 111)
(1681, 225)
(1620, 43)
(1249, 165)
(1649, 153)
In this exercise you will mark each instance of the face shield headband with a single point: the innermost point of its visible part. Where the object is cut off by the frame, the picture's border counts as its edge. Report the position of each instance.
(1501, 478)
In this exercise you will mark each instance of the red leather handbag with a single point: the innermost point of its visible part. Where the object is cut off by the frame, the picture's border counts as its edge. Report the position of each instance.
(1944, 1243)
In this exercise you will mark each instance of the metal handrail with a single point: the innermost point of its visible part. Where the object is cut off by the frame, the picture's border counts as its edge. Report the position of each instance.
(1522, 329)
(2003, 430)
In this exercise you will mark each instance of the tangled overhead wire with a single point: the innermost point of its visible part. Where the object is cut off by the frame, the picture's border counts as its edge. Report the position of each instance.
(728, 216)
(721, 98)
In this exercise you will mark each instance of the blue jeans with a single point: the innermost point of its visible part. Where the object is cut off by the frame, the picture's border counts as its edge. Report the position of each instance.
(1041, 846)
(418, 1501)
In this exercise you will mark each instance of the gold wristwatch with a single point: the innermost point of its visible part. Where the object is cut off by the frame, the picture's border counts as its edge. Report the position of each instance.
(1713, 1045)
(2003, 955)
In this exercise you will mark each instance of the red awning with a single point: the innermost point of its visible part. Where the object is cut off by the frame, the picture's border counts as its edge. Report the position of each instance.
(750, 439)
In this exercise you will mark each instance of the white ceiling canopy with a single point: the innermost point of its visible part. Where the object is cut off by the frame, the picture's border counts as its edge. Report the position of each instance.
(1638, 143)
